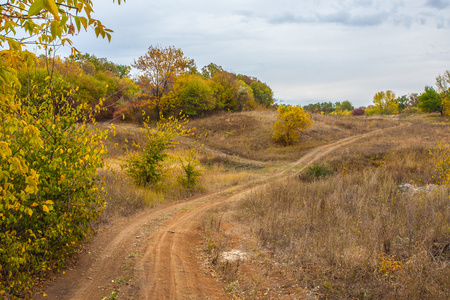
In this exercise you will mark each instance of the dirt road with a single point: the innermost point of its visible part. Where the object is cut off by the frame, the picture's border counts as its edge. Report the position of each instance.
(154, 255)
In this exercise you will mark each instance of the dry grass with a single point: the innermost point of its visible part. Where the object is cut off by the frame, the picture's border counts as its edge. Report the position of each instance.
(355, 233)
(249, 134)
(125, 199)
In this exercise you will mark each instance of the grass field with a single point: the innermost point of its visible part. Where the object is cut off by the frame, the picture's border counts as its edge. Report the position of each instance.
(347, 227)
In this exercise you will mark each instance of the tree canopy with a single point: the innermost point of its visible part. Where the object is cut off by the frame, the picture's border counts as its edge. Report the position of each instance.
(292, 120)
(430, 101)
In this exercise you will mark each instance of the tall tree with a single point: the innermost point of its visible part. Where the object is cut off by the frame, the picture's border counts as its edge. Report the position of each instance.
(262, 92)
(430, 101)
(190, 94)
(385, 102)
(158, 69)
(209, 70)
(226, 87)
(443, 87)
(346, 105)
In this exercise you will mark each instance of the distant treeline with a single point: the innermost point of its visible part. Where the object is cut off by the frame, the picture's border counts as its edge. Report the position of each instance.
(385, 102)
(167, 83)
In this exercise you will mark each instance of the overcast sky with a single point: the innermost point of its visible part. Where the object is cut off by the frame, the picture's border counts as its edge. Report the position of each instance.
(305, 50)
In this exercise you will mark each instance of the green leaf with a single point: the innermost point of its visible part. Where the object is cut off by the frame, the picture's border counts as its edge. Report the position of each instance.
(63, 21)
(77, 22)
(53, 30)
(36, 8)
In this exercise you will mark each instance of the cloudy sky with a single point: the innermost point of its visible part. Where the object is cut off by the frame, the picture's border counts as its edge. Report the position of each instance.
(306, 50)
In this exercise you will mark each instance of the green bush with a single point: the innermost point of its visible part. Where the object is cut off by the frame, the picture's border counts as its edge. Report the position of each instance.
(145, 165)
(317, 171)
(190, 170)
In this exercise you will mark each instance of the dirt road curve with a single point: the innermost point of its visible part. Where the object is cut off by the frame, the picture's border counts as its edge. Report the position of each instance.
(162, 246)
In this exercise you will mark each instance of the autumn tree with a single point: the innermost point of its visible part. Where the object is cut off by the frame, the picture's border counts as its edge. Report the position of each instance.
(225, 89)
(48, 156)
(209, 70)
(158, 69)
(292, 120)
(245, 98)
(262, 93)
(346, 105)
(145, 165)
(46, 23)
(385, 102)
(443, 87)
(190, 94)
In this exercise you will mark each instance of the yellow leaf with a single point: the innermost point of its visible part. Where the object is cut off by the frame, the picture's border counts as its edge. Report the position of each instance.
(34, 204)
(29, 211)
(45, 208)
(52, 8)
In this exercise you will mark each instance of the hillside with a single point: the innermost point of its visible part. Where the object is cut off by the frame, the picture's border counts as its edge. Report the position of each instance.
(331, 223)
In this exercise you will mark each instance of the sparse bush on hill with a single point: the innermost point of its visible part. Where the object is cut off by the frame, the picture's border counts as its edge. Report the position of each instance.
(190, 170)
(145, 165)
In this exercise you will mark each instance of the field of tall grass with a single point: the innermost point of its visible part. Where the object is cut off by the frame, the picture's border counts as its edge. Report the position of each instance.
(348, 226)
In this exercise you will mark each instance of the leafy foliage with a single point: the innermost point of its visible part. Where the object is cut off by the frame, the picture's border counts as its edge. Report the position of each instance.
(336, 108)
(96, 87)
(385, 102)
(159, 67)
(49, 191)
(430, 101)
(190, 170)
(263, 93)
(145, 165)
(358, 112)
(47, 22)
(291, 121)
(443, 166)
(190, 94)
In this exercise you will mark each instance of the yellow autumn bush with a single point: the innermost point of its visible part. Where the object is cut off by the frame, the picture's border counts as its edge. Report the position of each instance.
(49, 192)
